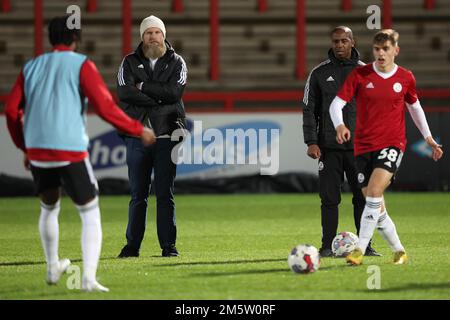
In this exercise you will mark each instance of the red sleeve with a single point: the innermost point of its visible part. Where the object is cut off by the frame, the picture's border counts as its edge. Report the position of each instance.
(411, 94)
(14, 112)
(348, 89)
(98, 94)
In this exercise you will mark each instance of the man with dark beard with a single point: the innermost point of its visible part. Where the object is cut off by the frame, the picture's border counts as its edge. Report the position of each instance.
(151, 83)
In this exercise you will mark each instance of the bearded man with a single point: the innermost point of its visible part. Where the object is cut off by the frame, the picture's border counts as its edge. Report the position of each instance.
(150, 85)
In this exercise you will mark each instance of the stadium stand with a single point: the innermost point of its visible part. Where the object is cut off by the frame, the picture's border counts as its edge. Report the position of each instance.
(257, 48)
(257, 56)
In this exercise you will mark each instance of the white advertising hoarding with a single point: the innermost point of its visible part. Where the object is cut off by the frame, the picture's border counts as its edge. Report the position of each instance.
(269, 143)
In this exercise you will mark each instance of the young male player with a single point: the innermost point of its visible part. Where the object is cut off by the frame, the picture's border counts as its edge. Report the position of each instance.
(382, 90)
(334, 159)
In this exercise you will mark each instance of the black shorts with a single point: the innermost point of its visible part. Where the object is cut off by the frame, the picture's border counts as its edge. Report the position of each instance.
(77, 179)
(388, 158)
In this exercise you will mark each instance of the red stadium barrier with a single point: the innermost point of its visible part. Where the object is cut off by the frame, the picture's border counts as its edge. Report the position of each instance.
(177, 6)
(126, 27)
(437, 93)
(262, 6)
(346, 5)
(91, 5)
(5, 6)
(387, 14)
(229, 99)
(300, 68)
(429, 4)
(38, 27)
(214, 60)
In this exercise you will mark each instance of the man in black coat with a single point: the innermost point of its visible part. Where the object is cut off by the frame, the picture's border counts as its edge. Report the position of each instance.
(151, 83)
(335, 159)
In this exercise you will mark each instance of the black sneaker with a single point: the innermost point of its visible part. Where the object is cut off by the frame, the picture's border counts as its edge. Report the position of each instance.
(325, 253)
(170, 252)
(370, 252)
(128, 252)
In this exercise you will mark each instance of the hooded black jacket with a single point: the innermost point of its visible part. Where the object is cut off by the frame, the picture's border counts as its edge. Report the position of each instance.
(159, 103)
(321, 87)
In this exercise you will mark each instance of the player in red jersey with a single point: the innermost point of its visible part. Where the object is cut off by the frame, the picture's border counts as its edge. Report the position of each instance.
(45, 114)
(383, 92)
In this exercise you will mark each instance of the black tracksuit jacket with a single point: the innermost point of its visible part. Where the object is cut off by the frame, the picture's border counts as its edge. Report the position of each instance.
(321, 87)
(159, 104)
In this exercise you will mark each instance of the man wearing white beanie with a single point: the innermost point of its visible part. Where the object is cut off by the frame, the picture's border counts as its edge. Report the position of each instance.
(151, 82)
(150, 22)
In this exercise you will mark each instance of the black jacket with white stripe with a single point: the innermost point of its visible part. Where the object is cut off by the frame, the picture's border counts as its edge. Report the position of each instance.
(159, 103)
(321, 87)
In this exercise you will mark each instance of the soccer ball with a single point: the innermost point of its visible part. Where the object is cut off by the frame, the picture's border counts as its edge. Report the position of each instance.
(344, 243)
(304, 258)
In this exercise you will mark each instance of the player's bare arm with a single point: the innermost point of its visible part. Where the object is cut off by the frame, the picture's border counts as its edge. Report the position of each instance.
(437, 148)
(419, 119)
(342, 134)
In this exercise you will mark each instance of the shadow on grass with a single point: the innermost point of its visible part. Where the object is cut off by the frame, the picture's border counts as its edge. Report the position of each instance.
(413, 287)
(31, 263)
(195, 263)
(249, 272)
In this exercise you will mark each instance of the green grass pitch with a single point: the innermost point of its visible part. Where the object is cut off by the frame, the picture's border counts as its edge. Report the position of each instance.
(232, 247)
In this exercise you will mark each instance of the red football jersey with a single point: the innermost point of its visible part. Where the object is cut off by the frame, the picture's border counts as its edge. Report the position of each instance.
(380, 106)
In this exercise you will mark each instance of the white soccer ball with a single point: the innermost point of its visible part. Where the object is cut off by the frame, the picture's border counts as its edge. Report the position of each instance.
(304, 258)
(344, 243)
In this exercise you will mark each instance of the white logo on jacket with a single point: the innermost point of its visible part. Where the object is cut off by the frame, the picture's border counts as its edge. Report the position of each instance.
(321, 165)
(361, 177)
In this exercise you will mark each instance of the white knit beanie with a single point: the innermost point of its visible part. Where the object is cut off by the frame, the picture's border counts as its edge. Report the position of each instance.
(150, 22)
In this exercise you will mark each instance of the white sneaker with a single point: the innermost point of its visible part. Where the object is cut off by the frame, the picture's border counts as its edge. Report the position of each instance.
(56, 271)
(93, 286)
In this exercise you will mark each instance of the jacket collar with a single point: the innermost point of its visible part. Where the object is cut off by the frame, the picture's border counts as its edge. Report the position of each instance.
(352, 61)
(61, 47)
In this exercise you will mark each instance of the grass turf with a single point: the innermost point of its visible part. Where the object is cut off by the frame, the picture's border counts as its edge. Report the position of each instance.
(232, 247)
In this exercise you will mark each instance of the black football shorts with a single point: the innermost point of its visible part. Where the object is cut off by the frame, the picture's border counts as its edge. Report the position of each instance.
(388, 158)
(77, 179)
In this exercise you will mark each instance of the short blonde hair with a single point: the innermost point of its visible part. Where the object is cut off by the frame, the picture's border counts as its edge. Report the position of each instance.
(386, 35)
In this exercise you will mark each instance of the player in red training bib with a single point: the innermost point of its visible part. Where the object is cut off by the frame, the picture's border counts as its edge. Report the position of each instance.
(383, 92)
